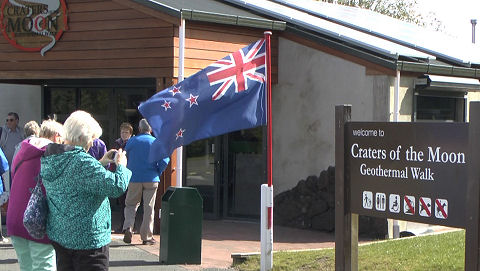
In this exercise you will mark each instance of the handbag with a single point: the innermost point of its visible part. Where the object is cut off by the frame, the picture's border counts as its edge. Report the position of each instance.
(35, 215)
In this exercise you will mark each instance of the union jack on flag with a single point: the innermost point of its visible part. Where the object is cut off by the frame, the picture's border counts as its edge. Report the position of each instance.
(237, 68)
(228, 95)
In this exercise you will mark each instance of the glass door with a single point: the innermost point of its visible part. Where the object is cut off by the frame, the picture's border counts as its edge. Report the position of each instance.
(202, 171)
(246, 173)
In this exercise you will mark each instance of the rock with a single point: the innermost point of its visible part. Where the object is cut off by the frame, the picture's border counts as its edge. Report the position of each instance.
(301, 222)
(311, 205)
(325, 221)
(286, 209)
(302, 188)
(322, 180)
(282, 196)
(311, 182)
(329, 198)
(331, 175)
(319, 206)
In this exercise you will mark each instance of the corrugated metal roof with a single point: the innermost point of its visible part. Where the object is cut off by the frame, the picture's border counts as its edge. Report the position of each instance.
(213, 12)
(412, 55)
(321, 26)
(388, 28)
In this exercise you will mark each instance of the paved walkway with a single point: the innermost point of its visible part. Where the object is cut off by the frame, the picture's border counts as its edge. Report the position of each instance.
(122, 257)
(220, 239)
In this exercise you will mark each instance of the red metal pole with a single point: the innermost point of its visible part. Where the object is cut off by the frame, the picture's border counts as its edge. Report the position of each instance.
(269, 120)
(269, 107)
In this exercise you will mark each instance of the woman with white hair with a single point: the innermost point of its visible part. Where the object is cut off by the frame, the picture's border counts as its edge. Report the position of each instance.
(32, 254)
(78, 187)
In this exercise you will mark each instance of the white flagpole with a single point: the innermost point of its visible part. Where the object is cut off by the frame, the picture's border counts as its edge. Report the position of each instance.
(181, 56)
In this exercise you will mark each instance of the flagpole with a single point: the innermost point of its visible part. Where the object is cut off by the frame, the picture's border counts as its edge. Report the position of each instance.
(266, 224)
(181, 57)
(269, 106)
(268, 34)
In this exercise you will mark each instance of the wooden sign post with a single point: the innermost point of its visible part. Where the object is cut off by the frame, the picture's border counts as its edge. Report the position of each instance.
(346, 223)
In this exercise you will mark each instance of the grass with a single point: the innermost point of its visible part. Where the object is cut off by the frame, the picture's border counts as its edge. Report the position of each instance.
(433, 252)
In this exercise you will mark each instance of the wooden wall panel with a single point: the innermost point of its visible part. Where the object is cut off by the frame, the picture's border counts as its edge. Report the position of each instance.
(92, 54)
(152, 32)
(109, 38)
(104, 39)
(85, 6)
(124, 14)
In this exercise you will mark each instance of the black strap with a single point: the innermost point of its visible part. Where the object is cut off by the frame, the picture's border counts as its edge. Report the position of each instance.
(16, 168)
(18, 165)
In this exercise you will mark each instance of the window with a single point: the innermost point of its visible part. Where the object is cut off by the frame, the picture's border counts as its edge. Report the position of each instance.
(440, 106)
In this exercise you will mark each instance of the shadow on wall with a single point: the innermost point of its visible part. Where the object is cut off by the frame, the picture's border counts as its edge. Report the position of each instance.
(311, 205)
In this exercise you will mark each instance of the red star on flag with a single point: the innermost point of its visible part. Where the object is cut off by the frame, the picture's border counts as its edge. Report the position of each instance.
(192, 100)
(166, 105)
(180, 133)
(175, 90)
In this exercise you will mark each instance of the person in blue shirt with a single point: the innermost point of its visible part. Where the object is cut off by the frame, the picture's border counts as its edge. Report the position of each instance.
(3, 195)
(144, 181)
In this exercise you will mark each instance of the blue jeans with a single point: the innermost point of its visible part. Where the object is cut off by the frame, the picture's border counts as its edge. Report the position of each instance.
(33, 255)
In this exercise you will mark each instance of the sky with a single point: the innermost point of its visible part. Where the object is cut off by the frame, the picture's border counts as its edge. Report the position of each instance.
(455, 16)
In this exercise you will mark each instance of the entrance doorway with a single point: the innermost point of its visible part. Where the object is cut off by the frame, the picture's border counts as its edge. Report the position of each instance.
(246, 173)
(203, 172)
(110, 106)
(228, 171)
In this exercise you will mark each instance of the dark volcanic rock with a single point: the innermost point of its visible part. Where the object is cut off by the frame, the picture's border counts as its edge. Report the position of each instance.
(311, 205)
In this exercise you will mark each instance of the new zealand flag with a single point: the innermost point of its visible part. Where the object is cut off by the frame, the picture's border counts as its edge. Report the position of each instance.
(228, 95)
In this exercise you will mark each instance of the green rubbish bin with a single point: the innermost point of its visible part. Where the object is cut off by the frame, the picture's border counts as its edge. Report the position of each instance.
(181, 226)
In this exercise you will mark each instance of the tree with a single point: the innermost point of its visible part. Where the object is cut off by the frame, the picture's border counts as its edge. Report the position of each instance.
(405, 10)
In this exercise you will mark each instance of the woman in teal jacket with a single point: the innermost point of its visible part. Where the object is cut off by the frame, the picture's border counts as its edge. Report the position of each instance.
(78, 187)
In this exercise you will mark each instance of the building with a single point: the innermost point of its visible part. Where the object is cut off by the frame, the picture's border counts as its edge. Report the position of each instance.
(107, 56)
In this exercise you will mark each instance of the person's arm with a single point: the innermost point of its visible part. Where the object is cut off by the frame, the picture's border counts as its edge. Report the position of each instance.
(101, 181)
(162, 165)
(3, 163)
(3, 137)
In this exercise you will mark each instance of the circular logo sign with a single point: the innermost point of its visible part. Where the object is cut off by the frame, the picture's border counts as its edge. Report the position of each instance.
(33, 25)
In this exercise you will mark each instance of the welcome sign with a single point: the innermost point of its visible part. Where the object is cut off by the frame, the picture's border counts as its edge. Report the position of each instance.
(33, 25)
(423, 172)
(408, 171)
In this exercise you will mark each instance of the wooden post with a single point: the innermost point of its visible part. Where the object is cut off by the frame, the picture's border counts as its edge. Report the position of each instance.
(472, 241)
(346, 223)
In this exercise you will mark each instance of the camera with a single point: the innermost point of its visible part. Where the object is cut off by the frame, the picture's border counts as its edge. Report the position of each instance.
(113, 155)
